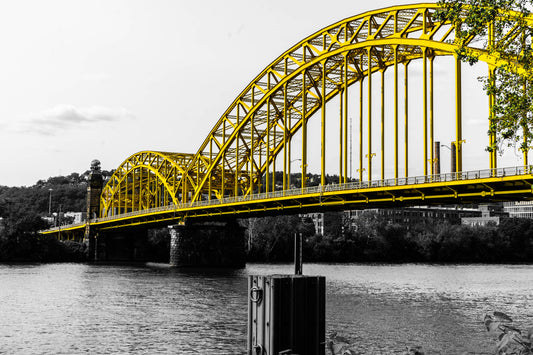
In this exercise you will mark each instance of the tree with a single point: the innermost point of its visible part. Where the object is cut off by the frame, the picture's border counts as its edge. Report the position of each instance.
(507, 32)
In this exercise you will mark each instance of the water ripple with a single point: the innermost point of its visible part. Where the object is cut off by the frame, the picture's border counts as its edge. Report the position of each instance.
(135, 309)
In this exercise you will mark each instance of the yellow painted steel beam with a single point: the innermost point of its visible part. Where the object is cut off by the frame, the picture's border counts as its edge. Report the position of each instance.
(304, 132)
(458, 117)
(345, 108)
(323, 127)
(396, 143)
(342, 143)
(406, 120)
(492, 155)
(369, 109)
(425, 114)
(525, 133)
(431, 116)
(383, 124)
(361, 129)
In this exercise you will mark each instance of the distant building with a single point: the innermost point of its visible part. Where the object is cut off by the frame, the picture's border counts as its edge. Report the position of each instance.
(77, 217)
(519, 209)
(419, 214)
(318, 221)
(65, 218)
(405, 216)
(490, 214)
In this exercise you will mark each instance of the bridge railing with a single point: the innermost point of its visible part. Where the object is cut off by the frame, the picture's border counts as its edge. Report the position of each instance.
(357, 185)
(445, 177)
(66, 226)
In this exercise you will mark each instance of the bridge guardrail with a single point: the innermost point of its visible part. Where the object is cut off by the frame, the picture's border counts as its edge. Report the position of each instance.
(65, 226)
(415, 180)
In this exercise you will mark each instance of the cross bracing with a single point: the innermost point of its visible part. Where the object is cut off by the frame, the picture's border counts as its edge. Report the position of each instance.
(255, 137)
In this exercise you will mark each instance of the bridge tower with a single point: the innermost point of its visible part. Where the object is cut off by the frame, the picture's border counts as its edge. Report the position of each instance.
(94, 190)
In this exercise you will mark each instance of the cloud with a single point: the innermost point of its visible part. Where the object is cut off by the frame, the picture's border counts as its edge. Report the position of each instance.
(64, 117)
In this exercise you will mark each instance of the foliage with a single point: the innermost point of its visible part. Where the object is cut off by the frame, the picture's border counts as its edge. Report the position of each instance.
(273, 238)
(21, 212)
(372, 239)
(67, 194)
(511, 116)
(510, 340)
(338, 345)
(158, 245)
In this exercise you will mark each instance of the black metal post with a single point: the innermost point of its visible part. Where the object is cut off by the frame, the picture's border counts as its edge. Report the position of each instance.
(298, 253)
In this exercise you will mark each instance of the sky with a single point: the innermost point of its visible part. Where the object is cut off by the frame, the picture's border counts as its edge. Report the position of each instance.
(83, 80)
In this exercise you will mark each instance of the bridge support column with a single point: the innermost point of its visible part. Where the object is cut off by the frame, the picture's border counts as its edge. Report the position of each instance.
(129, 245)
(94, 190)
(96, 245)
(89, 239)
(213, 244)
(100, 248)
(176, 236)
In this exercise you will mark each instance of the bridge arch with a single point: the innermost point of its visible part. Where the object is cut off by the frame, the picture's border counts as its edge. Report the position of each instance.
(144, 180)
(241, 150)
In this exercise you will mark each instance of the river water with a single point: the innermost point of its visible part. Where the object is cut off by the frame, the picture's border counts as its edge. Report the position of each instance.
(150, 309)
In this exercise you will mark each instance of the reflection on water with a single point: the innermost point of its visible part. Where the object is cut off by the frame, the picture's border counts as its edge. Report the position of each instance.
(137, 309)
(73, 308)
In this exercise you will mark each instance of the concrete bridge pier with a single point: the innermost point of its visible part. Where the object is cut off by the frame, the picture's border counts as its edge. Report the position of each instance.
(176, 240)
(129, 245)
(207, 244)
(90, 241)
(100, 250)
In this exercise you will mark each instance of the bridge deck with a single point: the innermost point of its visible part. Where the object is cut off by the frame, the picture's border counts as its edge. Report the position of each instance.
(480, 186)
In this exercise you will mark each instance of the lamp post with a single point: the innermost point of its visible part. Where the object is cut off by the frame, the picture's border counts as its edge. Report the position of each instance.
(50, 203)
(452, 153)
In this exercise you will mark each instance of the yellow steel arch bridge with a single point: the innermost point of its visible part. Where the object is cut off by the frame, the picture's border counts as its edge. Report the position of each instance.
(266, 128)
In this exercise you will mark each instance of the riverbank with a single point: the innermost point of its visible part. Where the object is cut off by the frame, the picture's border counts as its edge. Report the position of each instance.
(509, 243)
(371, 239)
(33, 247)
(271, 240)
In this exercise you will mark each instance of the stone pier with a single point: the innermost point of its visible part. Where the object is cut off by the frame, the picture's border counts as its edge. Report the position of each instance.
(128, 245)
(94, 190)
(207, 244)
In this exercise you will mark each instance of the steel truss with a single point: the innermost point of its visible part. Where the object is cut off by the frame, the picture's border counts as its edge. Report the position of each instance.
(253, 139)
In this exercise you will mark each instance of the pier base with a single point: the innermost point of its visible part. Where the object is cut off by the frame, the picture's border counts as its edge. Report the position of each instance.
(124, 246)
(213, 244)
